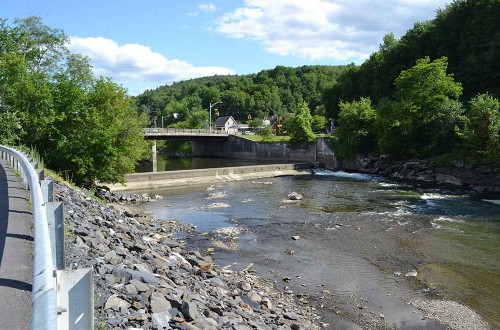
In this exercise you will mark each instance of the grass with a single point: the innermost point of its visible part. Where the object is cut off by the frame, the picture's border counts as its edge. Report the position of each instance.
(273, 138)
(269, 139)
(56, 176)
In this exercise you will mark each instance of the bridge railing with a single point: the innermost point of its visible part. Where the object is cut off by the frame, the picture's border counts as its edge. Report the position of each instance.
(61, 299)
(183, 131)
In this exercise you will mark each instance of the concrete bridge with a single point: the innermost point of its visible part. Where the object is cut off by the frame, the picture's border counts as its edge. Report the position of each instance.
(185, 134)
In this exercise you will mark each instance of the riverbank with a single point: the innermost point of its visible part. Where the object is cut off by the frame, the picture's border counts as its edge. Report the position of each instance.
(480, 178)
(146, 278)
(208, 176)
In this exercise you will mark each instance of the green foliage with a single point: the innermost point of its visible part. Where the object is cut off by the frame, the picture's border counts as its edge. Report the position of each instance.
(10, 128)
(255, 123)
(356, 128)
(481, 132)
(86, 128)
(277, 91)
(300, 129)
(420, 121)
(318, 124)
(466, 32)
(266, 133)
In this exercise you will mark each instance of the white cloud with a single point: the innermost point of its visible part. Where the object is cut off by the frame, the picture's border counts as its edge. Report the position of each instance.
(133, 63)
(210, 7)
(324, 29)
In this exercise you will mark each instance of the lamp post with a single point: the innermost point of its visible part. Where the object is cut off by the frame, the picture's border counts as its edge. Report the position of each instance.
(211, 106)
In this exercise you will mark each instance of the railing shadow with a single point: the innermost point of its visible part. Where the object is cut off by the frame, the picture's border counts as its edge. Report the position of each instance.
(4, 209)
(15, 284)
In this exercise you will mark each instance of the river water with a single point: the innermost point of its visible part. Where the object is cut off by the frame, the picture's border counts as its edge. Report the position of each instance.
(360, 235)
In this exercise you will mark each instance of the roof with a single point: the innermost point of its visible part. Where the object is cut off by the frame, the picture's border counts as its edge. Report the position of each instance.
(221, 121)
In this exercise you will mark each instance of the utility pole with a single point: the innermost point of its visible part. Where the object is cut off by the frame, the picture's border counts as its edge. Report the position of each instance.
(210, 111)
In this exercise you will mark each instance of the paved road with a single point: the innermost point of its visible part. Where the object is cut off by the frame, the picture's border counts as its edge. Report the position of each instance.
(16, 249)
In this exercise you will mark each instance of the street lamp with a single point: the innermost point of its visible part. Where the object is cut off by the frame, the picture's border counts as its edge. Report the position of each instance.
(211, 106)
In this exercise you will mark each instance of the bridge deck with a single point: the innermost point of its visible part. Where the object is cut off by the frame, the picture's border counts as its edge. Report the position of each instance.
(16, 247)
(184, 134)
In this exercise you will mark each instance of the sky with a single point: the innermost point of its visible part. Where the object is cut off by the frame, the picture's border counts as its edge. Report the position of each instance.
(149, 43)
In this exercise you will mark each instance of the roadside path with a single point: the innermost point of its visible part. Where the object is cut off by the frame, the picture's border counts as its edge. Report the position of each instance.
(16, 248)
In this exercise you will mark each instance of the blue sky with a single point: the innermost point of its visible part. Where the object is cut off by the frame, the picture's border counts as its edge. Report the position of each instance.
(148, 43)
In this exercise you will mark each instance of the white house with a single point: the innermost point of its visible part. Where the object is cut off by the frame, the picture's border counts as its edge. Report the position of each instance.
(226, 123)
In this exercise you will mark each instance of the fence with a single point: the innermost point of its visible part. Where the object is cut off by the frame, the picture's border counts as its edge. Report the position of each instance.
(183, 131)
(61, 299)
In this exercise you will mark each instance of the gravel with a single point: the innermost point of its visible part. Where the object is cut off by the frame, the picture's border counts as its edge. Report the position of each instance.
(451, 314)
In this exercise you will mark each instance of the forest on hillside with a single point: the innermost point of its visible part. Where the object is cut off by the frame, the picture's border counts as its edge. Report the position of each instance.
(432, 92)
(280, 91)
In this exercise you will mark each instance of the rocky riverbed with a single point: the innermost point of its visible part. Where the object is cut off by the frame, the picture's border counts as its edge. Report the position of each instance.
(146, 278)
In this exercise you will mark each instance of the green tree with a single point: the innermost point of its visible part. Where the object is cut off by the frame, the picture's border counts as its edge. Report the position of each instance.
(318, 123)
(421, 120)
(86, 128)
(10, 128)
(481, 132)
(255, 123)
(266, 132)
(300, 129)
(355, 132)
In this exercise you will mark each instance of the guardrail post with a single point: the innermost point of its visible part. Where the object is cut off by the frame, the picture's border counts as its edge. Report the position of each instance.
(76, 299)
(41, 174)
(55, 219)
(47, 190)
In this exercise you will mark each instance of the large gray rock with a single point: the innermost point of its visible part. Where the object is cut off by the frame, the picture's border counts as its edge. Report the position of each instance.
(116, 303)
(159, 303)
(160, 320)
(129, 274)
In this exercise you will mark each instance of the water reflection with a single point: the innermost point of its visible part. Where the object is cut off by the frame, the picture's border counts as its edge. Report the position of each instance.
(175, 164)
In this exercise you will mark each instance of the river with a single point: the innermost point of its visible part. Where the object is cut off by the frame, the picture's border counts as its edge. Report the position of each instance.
(360, 235)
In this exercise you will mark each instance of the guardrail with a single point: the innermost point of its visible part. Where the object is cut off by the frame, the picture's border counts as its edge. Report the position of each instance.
(61, 299)
(193, 131)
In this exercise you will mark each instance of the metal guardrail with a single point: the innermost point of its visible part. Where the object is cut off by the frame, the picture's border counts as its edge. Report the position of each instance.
(44, 297)
(179, 131)
(61, 299)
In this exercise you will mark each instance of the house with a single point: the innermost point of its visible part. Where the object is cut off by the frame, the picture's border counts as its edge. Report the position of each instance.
(226, 123)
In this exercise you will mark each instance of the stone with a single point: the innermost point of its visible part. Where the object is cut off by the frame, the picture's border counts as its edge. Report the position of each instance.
(130, 289)
(256, 297)
(296, 238)
(159, 303)
(246, 286)
(294, 196)
(217, 282)
(291, 316)
(190, 310)
(116, 303)
(160, 320)
(128, 274)
(140, 287)
(413, 273)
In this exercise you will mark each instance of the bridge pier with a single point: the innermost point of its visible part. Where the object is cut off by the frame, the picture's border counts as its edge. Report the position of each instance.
(154, 156)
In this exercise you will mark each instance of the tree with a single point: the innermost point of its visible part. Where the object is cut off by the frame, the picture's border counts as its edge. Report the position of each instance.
(300, 129)
(85, 127)
(355, 132)
(420, 121)
(10, 128)
(481, 132)
(266, 132)
(318, 123)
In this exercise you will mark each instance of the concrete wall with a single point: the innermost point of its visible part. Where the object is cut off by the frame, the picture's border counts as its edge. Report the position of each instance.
(169, 179)
(210, 148)
(241, 148)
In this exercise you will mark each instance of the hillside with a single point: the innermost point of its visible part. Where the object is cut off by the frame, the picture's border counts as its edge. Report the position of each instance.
(277, 91)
